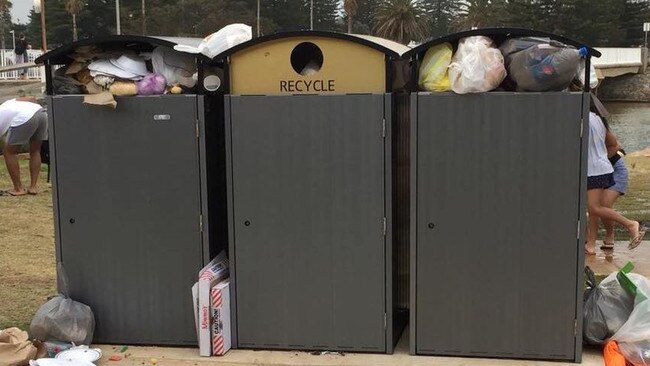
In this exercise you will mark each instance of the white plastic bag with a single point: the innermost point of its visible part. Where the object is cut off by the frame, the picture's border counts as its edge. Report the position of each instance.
(477, 66)
(174, 66)
(634, 336)
(227, 37)
(593, 77)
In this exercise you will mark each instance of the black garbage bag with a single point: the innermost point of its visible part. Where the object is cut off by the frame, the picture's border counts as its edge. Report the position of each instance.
(606, 308)
(63, 319)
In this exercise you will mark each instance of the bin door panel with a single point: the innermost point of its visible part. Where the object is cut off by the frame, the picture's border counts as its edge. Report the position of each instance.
(308, 178)
(129, 206)
(498, 186)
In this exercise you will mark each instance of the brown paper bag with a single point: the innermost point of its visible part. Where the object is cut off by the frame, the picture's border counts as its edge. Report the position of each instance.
(16, 349)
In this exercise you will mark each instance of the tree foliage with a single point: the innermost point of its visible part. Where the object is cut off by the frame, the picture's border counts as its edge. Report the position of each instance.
(595, 22)
(5, 22)
(401, 20)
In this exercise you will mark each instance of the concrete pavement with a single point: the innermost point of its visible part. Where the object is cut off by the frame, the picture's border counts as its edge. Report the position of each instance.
(169, 356)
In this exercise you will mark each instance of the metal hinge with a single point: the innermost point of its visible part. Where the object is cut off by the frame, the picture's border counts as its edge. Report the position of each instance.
(201, 223)
(578, 230)
(575, 327)
(582, 127)
(197, 128)
(383, 128)
(385, 321)
(383, 226)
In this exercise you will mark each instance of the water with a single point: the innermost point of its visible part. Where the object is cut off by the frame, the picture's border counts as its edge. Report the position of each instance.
(630, 122)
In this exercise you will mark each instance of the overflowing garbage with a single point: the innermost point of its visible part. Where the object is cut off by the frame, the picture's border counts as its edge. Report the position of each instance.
(525, 64)
(126, 73)
(617, 315)
(102, 73)
(217, 42)
(477, 66)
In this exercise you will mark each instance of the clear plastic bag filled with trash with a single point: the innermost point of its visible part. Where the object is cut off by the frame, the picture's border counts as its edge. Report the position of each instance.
(63, 319)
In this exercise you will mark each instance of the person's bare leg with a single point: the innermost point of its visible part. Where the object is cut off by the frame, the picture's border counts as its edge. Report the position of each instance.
(607, 200)
(594, 198)
(34, 165)
(592, 232)
(11, 160)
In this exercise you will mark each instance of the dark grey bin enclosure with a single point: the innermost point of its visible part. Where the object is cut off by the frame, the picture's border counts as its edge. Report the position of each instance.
(309, 193)
(497, 219)
(131, 202)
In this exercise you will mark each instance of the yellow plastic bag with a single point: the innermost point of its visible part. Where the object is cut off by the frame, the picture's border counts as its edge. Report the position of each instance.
(434, 75)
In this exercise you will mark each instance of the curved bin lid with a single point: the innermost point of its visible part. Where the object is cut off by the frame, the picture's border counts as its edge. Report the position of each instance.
(311, 62)
(62, 55)
(498, 35)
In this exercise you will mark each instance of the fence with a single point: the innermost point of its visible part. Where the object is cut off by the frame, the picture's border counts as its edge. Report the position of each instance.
(7, 58)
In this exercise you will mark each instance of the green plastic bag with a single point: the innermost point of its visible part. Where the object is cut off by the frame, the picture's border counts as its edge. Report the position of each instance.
(434, 75)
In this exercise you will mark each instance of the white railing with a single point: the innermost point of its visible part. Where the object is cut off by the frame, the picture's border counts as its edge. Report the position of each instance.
(618, 57)
(7, 58)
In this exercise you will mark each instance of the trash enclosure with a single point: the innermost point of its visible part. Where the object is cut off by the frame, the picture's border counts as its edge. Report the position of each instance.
(130, 184)
(497, 192)
(309, 126)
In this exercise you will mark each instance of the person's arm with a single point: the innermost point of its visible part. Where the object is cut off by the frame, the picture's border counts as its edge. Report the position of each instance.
(612, 143)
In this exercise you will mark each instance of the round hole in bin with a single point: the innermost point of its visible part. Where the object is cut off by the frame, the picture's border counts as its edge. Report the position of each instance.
(306, 58)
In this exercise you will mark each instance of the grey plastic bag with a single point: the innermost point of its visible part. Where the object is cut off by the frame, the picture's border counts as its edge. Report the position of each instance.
(63, 319)
(543, 67)
(514, 45)
(607, 307)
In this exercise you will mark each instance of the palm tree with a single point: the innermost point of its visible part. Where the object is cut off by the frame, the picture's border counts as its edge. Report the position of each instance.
(74, 7)
(5, 19)
(351, 7)
(400, 20)
(475, 13)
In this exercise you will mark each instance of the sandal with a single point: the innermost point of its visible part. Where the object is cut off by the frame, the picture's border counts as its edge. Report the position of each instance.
(638, 239)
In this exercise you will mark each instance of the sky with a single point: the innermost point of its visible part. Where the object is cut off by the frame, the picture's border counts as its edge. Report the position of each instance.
(20, 10)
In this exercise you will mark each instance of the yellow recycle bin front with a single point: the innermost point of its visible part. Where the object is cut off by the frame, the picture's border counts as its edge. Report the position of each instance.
(309, 166)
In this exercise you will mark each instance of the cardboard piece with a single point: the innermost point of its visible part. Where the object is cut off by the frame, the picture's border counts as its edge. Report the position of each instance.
(216, 271)
(220, 310)
(101, 99)
(195, 304)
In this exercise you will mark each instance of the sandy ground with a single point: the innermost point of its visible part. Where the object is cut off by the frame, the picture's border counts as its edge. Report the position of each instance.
(11, 89)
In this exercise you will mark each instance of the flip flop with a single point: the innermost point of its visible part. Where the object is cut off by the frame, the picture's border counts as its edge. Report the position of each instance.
(9, 193)
(607, 246)
(638, 239)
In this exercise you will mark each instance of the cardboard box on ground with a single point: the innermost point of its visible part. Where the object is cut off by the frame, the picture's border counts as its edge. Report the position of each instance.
(211, 298)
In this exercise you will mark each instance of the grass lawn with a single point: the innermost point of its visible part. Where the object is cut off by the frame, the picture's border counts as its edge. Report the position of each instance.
(27, 264)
